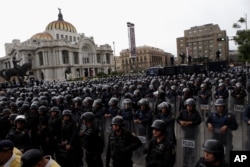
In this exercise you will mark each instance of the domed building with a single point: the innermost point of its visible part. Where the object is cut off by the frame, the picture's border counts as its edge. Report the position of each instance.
(60, 53)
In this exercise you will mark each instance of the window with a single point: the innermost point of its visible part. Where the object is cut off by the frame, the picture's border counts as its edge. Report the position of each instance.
(108, 58)
(76, 58)
(70, 38)
(98, 58)
(57, 36)
(74, 39)
(40, 55)
(65, 57)
(61, 36)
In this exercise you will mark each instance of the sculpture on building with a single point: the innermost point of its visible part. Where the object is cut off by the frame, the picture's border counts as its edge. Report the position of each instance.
(19, 71)
(15, 63)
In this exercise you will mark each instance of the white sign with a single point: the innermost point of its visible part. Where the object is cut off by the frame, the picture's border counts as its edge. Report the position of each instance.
(188, 143)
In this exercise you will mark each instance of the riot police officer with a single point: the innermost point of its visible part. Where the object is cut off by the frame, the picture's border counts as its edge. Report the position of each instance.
(213, 154)
(161, 151)
(54, 128)
(121, 144)
(68, 141)
(127, 113)
(92, 141)
(19, 134)
(35, 157)
(221, 123)
(189, 120)
(165, 115)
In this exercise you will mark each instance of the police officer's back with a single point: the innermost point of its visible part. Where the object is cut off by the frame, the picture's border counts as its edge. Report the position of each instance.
(92, 141)
(121, 144)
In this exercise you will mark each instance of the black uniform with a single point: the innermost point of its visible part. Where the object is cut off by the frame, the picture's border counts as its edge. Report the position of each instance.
(160, 154)
(203, 163)
(93, 144)
(120, 148)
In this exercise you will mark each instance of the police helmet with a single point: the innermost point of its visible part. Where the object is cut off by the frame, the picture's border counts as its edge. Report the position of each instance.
(55, 109)
(220, 102)
(12, 117)
(13, 104)
(89, 116)
(117, 120)
(238, 85)
(113, 100)
(127, 101)
(164, 105)
(143, 102)
(203, 85)
(77, 99)
(186, 90)
(6, 111)
(128, 95)
(34, 107)
(87, 101)
(97, 102)
(66, 112)
(159, 124)
(215, 147)
(31, 157)
(189, 102)
(42, 109)
(21, 118)
(221, 84)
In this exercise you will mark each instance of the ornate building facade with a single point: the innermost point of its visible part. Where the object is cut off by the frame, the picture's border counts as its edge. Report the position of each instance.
(146, 56)
(202, 43)
(60, 53)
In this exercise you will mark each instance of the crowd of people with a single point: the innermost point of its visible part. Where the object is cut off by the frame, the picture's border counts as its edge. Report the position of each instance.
(108, 121)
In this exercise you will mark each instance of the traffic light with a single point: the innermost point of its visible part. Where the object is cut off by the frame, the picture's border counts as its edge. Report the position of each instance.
(221, 39)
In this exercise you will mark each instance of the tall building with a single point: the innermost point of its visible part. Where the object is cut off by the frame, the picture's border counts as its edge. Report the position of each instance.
(60, 53)
(146, 56)
(203, 44)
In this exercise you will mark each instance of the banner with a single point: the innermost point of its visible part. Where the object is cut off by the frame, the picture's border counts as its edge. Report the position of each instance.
(131, 37)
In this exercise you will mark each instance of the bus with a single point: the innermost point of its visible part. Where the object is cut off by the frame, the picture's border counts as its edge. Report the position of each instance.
(155, 71)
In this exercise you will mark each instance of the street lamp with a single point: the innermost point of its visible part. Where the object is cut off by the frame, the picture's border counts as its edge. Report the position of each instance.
(241, 20)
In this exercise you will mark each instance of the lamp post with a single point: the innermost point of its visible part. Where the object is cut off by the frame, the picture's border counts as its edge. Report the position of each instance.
(114, 54)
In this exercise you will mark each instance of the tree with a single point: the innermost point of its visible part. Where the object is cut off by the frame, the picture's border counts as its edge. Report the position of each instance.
(243, 39)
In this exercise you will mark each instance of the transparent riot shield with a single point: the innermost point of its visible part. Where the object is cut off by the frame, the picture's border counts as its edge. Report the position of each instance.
(238, 112)
(204, 110)
(226, 139)
(188, 146)
(107, 129)
(100, 124)
(129, 124)
(173, 103)
(141, 131)
(246, 136)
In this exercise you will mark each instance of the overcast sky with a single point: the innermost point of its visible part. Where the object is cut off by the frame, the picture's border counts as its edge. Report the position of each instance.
(157, 22)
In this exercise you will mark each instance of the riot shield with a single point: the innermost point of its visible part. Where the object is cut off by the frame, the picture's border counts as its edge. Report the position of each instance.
(107, 129)
(188, 146)
(204, 110)
(246, 137)
(226, 139)
(142, 131)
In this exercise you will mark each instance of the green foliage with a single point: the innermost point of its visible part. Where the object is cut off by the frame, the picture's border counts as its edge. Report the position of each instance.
(243, 40)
